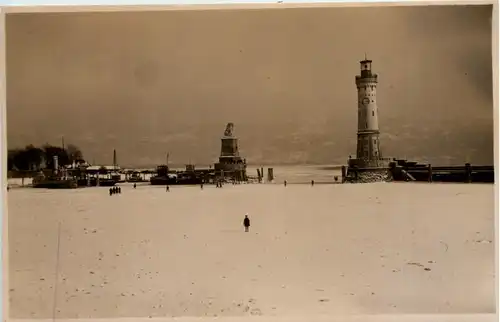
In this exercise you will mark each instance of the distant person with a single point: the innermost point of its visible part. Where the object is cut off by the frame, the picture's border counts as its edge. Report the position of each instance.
(135, 185)
(119, 190)
(8, 188)
(110, 191)
(246, 223)
(168, 188)
(284, 183)
(201, 186)
(312, 182)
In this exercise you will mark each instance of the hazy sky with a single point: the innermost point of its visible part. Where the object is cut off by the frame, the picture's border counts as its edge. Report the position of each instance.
(150, 82)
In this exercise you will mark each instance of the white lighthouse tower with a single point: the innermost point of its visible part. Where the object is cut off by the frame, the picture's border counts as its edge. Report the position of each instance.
(368, 153)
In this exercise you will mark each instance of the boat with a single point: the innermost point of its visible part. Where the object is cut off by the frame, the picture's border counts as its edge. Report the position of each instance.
(165, 177)
(54, 181)
(136, 177)
(58, 179)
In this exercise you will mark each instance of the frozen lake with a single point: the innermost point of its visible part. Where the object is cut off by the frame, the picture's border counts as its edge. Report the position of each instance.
(329, 249)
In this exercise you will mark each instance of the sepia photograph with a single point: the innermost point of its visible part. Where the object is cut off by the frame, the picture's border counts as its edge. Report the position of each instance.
(274, 162)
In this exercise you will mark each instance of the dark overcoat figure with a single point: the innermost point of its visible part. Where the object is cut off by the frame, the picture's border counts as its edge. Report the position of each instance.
(246, 223)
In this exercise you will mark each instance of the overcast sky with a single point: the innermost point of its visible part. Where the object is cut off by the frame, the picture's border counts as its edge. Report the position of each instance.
(150, 82)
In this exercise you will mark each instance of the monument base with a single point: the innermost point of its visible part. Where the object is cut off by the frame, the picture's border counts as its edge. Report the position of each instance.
(235, 171)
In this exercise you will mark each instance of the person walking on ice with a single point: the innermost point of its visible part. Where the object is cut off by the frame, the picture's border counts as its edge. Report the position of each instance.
(246, 223)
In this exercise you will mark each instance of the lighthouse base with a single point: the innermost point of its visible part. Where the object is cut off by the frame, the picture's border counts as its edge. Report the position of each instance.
(368, 171)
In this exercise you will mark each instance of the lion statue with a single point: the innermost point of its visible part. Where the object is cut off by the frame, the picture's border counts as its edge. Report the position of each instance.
(229, 129)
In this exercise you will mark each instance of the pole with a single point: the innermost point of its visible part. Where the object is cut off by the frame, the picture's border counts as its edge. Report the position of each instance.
(56, 274)
(468, 173)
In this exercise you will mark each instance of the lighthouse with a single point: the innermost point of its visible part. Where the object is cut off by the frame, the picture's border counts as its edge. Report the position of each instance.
(368, 153)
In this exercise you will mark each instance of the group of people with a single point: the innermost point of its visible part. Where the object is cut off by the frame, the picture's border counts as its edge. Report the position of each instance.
(115, 190)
